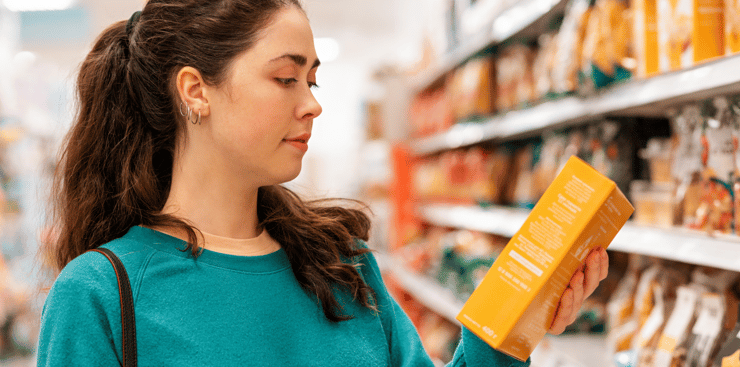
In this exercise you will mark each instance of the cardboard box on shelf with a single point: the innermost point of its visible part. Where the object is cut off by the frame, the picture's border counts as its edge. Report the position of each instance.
(514, 306)
(689, 32)
(645, 36)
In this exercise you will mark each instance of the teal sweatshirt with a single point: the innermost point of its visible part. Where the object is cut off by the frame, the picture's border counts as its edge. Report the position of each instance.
(224, 310)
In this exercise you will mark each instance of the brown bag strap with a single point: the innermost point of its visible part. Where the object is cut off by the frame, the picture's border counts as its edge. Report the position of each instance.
(128, 322)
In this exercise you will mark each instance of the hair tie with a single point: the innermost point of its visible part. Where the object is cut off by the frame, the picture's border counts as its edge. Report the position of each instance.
(132, 22)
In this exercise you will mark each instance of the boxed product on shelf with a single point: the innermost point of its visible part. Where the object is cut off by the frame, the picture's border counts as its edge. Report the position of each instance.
(689, 32)
(645, 36)
(607, 56)
(473, 89)
(570, 46)
(548, 166)
(514, 306)
(732, 26)
(514, 77)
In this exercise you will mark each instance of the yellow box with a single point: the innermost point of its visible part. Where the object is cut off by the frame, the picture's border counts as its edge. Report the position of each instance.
(689, 32)
(514, 305)
(646, 36)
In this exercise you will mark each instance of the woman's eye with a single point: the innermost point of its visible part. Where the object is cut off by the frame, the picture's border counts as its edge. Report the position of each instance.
(286, 81)
(313, 85)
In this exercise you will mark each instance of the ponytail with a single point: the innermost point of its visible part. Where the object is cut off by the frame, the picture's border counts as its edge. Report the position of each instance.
(107, 179)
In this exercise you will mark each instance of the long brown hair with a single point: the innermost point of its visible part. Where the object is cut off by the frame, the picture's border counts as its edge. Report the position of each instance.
(115, 170)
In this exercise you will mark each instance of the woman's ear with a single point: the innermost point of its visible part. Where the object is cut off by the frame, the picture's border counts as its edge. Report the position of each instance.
(191, 88)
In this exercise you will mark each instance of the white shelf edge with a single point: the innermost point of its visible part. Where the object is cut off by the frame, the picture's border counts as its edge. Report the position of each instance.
(632, 95)
(425, 290)
(675, 244)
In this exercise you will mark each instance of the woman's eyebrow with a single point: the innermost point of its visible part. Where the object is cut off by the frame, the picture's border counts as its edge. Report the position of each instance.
(298, 59)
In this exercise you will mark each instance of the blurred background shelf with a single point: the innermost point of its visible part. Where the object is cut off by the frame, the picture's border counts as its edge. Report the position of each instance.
(677, 244)
(525, 17)
(648, 97)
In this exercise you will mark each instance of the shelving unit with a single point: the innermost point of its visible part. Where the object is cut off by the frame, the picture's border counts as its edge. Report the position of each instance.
(676, 244)
(649, 97)
(523, 16)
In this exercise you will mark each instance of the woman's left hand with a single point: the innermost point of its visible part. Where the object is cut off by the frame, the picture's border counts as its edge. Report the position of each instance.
(582, 284)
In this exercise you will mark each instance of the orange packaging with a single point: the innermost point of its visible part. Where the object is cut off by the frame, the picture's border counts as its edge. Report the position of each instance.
(689, 32)
(732, 26)
(514, 305)
(646, 36)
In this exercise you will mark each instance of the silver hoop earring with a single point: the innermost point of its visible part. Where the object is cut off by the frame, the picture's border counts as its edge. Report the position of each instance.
(183, 114)
(197, 121)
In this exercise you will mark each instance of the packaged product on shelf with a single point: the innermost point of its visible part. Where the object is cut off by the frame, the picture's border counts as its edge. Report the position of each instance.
(686, 165)
(729, 354)
(547, 167)
(466, 255)
(431, 112)
(613, 151)
(514, 78)
(646, 340)
(514, 305)
(620, 324)
(732, 26)
(428, 179)
(677, 327)
(658, 155)
(519, 191)
(655, 205)
(543, 66)
(473, 89)
(664, 296)
(645, 36)
(479, 166)
(689, 32)
(707, 330)
(570, 46)
(500, 160)
(715, 211)
(607, 56)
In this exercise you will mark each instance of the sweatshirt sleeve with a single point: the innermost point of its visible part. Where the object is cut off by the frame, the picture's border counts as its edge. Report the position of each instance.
(403, 340)
(76, 322)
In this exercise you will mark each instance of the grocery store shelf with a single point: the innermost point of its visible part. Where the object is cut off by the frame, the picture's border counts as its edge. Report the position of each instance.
(648, 97)
(677, 244)
(426, 290)
(512, 21)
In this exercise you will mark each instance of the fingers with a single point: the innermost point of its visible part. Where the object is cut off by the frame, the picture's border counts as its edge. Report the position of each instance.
(576, 284)
(595, 270)
(604, 264)
(563, 314)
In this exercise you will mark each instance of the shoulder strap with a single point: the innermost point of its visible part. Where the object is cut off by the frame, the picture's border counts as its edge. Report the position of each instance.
(128, 324)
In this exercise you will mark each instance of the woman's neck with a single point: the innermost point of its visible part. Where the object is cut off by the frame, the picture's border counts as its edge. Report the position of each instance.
(212, 201)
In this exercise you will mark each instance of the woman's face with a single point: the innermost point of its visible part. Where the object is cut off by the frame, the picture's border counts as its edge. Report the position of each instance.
(261, 117)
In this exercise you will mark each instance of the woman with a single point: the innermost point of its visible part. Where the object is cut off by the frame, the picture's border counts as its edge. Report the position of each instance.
(191, 115)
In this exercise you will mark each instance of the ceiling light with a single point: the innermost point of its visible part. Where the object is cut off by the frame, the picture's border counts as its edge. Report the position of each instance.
(37, 5)
(327, 49)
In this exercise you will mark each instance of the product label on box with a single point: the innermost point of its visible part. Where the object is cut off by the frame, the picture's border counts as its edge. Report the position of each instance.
(514, 305)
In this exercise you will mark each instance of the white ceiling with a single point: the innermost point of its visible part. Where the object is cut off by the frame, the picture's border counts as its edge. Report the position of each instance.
(369, 32)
